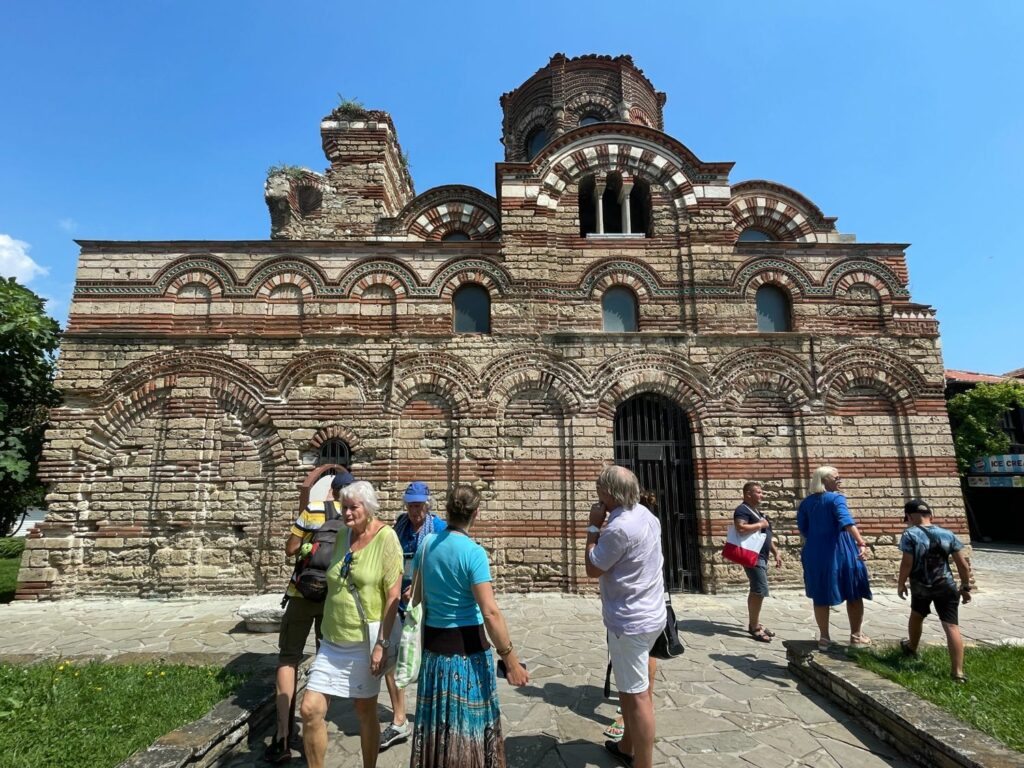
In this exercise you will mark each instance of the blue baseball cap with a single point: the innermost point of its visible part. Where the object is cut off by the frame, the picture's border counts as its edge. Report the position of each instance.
(416, 492)
(341, 479)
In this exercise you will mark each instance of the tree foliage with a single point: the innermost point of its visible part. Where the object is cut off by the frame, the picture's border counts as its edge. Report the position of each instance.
(977, 420)
(28, 346)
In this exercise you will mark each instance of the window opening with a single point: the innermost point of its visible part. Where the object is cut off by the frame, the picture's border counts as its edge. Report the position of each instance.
(455, 236)
(619, 310)
(535, 142)
(614, 207)
(754, 235)
(334, 451)
(773, 310)
(472, 305)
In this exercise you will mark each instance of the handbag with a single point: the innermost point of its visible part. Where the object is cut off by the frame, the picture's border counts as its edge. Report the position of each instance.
(743, 548)
(410, 647)
(372, 628)
(668, 645)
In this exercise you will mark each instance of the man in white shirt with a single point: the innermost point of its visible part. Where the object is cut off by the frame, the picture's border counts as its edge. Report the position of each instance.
(624, 553)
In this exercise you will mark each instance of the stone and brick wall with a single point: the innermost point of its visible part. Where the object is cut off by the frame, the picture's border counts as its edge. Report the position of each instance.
(200, 378)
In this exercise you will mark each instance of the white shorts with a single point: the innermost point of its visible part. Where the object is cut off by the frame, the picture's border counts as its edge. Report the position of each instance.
(343, 670)
(629, 656)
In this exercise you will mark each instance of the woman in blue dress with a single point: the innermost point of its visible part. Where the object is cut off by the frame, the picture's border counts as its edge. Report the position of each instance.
(833, 556)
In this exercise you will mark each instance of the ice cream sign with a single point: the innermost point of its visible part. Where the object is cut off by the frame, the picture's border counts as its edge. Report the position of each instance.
(1007, 464)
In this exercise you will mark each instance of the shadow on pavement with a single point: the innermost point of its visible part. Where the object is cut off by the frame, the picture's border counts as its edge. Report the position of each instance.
(582, 700)
(708, 628)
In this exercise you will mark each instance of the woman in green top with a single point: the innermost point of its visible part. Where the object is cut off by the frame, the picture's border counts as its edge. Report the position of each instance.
(367, 555)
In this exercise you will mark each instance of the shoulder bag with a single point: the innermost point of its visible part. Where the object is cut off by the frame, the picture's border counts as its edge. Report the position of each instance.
(372, 628)
(410, 647)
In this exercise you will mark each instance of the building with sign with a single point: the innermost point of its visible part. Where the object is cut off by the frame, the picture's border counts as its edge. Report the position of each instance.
(615, 297)
(995, 484)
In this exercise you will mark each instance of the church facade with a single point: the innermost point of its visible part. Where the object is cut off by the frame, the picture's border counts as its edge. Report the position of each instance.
(616, 299)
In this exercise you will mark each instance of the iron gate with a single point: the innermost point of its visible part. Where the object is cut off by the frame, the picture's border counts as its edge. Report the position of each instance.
(653, 440)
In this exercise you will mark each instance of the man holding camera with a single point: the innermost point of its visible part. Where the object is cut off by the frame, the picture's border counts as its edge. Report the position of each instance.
(623, 551)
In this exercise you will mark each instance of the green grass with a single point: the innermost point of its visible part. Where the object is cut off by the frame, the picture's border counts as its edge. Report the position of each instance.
(10, 560)
(993, 700)
(94, 715)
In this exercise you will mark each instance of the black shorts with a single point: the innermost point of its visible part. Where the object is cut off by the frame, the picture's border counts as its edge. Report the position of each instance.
(946, 599)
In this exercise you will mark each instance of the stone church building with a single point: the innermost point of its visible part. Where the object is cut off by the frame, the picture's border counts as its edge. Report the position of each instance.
(617, 298)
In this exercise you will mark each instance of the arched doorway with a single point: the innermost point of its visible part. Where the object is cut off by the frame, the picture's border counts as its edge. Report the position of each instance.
(653, 440)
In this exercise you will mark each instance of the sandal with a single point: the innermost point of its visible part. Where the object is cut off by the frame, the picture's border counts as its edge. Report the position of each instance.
(622, 757)
(760, 635)
(907, 650)
(764, 629)
(615, 731)
(860, 639)
(960, 679)
(824, 644)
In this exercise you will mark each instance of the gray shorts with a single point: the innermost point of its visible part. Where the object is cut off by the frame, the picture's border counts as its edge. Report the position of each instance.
(758, 576)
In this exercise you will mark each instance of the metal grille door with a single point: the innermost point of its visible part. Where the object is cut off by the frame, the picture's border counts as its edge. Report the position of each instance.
(653, 440)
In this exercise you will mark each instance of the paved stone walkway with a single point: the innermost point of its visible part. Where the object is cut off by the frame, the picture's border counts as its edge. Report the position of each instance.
(728, 702)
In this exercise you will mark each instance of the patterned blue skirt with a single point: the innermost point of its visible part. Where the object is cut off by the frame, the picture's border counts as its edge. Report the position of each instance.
(458, 721)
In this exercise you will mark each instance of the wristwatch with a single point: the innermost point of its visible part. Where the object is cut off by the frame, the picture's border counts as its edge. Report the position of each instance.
(593, 529)
(384, 643)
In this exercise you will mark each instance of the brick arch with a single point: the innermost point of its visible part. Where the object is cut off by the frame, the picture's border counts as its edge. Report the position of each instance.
(302, 272)
(623, 376)
(205, 266)
(634, 275)
(745, 371)
(874, 368)
(646, 160)
(434, 373)
(458, 272)
(352, 366)
(846, 273)
(131, 407)
(286, 278)
(196, 275)
(761, 271)
(441, 220)
(782, 212)
(535, 370)
(539, 116)
(587, 102)
(334, 432)
(396, 274)
(152, 368)
(373, 279)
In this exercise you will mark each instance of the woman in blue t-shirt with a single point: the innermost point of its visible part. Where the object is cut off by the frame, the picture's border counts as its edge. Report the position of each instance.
(458, 721)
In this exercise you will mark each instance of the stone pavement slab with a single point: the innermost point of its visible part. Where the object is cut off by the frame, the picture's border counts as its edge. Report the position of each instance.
(729, 701)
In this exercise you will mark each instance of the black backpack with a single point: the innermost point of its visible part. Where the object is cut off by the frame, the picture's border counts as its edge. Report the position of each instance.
(310, 575)
(935, 568)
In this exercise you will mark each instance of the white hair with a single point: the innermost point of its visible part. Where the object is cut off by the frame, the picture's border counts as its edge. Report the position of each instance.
(363, 492)
(621, 485)
(817, 484)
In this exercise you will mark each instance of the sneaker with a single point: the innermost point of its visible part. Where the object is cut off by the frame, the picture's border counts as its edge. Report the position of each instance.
(277, 753)
(907, 650)
(394, 734)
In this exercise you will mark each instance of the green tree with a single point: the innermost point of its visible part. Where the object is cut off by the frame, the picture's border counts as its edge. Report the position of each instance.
(977, 420)
(28, 347)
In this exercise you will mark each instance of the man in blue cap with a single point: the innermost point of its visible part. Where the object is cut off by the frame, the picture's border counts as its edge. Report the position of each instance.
(412, 526)
(300, 615)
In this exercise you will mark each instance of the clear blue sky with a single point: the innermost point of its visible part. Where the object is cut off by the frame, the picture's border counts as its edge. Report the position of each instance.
(158, 120)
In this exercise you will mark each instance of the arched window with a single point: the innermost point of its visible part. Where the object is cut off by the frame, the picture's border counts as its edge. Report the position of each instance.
(472, 305)
(773, 311)
(455, 236)
(612, 207)
(334, 451)
(754, 235)
(589, 119)
(535, 142)
(619, 310)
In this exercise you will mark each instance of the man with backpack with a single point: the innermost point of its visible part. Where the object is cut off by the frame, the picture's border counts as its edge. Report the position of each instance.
(926, 551)
(304, 605)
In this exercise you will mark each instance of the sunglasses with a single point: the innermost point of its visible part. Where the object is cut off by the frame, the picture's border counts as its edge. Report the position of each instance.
(346, 565)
